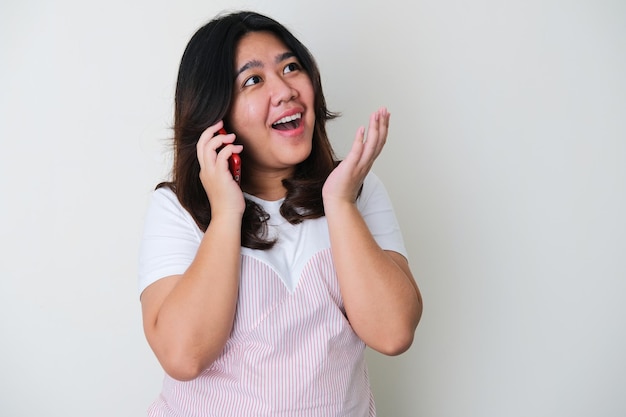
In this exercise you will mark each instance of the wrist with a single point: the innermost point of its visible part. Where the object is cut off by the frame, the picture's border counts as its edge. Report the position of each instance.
(227, 218)
(338, 205)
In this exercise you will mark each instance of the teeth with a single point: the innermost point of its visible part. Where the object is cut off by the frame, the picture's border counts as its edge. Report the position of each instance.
(288, 118)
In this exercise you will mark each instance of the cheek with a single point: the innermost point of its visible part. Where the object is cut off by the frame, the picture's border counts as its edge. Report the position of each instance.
(248, 115)
(244, 120)
(244, 111)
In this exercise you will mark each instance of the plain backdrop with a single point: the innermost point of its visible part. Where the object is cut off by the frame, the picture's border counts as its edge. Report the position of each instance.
(506, 163)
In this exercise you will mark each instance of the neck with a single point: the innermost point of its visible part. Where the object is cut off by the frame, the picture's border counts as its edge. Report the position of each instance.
(266, 185)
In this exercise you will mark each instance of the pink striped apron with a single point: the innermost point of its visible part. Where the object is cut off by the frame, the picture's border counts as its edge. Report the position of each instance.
(291, 353)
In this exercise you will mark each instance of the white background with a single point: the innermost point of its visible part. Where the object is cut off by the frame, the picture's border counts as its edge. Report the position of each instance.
(506, 163)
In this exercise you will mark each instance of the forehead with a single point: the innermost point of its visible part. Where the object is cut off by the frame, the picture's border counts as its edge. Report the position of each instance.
(259, 46)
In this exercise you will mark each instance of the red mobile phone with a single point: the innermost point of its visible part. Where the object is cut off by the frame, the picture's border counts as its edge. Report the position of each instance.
(234, 162)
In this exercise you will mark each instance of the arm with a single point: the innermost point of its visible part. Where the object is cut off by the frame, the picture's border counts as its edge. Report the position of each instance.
(382, 300)
(188, 318)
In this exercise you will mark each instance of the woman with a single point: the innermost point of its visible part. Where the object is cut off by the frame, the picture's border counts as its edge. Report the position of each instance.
(258, 299)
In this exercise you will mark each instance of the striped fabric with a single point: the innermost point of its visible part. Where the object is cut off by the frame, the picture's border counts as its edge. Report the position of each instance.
(291, 353)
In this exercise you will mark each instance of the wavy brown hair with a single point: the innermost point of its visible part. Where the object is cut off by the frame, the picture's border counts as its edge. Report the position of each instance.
(204, 93)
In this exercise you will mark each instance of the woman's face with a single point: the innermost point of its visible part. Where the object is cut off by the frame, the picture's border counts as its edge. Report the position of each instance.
(272, 112)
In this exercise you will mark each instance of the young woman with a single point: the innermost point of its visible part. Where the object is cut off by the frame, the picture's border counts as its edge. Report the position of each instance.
(259, 298)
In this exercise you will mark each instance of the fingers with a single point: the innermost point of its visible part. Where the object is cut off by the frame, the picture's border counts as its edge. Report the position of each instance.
(367, 147)
(206, 146)
(211, 140)
(344, 182)
(377, 132)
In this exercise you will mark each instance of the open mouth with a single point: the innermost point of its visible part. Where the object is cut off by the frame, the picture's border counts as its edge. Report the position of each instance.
(288, 122)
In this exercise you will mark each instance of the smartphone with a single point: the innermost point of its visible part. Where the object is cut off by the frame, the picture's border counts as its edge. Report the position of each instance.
(234, 162)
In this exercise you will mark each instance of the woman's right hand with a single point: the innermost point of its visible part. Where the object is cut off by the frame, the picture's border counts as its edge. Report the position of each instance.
(213, 150)
(189, 317)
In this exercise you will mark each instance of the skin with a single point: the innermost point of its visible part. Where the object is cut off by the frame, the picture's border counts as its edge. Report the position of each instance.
(382, 300)
(188, 318)
(269, 86)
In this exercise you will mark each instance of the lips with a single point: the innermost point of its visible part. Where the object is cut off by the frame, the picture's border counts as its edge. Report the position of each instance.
(288, 122)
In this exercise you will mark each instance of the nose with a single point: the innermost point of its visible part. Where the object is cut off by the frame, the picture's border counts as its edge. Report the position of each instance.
(282, 91)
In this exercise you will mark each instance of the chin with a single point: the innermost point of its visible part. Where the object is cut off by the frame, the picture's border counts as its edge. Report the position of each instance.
(302, 156)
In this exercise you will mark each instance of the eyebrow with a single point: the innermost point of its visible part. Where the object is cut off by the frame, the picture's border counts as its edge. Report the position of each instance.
(255, 63)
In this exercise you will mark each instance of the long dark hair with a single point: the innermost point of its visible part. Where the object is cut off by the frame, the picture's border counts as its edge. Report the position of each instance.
(204, 92)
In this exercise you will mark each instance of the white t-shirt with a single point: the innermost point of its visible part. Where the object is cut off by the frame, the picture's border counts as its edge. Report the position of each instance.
(292, 350)
(171, 236)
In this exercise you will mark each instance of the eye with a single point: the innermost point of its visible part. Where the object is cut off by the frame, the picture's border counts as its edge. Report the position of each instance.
(255, 79)
(292, 66)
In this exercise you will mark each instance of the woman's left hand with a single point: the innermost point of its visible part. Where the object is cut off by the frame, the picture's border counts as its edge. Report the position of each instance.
(380, 296)
(345, 180)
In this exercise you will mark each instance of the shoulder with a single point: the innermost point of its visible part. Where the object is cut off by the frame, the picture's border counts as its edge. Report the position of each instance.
(169, 240)
(163, 200)
(379, 215)
(165, 210)
(164, 196)
(373, 190)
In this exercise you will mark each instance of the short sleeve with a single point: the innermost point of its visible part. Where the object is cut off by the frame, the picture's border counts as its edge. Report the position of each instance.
(169, 241)
(377, 211)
